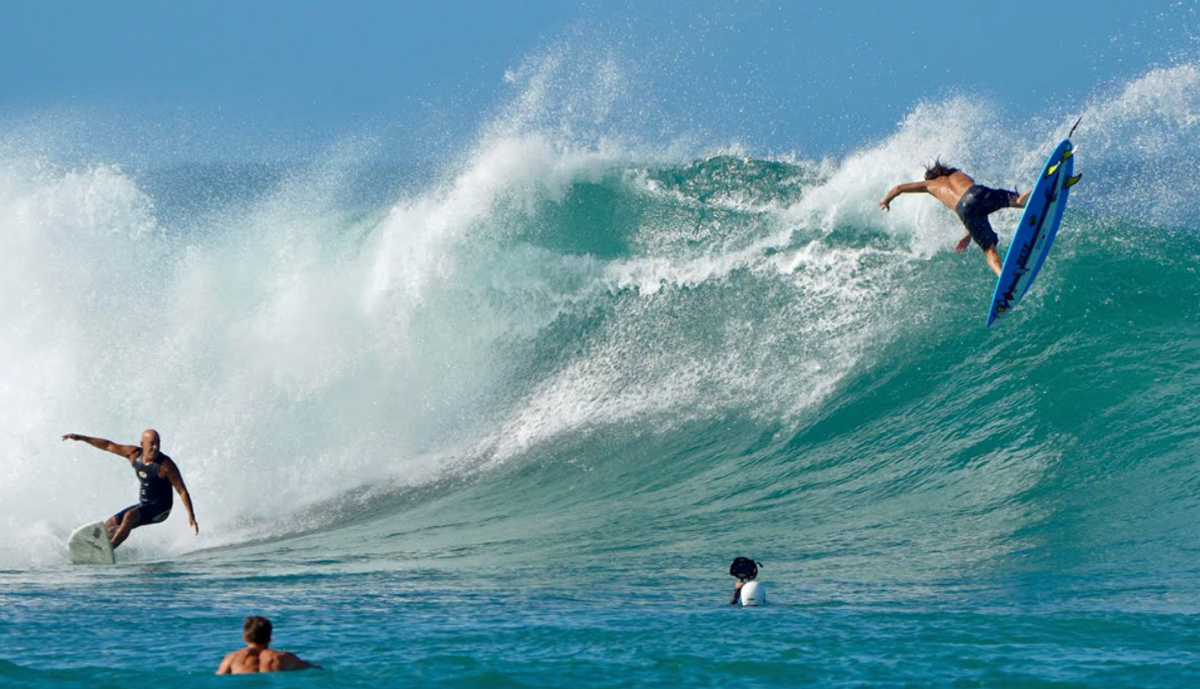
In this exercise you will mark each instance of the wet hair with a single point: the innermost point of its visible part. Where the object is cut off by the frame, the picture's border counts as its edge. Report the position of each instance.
(257, 630)
(744, 568)
(938, 170)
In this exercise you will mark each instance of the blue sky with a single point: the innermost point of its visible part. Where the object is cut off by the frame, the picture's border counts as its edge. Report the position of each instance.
(219, 79)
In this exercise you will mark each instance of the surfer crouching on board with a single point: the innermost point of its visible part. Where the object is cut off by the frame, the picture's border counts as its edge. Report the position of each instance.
(256, 656)
(157, 474)
(972, 202)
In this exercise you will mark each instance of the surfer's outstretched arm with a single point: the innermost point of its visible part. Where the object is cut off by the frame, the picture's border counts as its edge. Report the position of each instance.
(102, 444)
(909, 188)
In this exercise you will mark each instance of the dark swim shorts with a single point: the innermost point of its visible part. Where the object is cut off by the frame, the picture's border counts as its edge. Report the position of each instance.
(151, 514)
(974, 208)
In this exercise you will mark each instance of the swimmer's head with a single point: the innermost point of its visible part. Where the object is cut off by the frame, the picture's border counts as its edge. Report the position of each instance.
(257, 630)
(744, 568)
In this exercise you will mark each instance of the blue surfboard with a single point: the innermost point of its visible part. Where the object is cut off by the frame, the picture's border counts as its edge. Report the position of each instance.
(1035, 235)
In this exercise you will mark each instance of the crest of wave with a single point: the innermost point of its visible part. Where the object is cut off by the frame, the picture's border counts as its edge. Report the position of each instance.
(1143, 139)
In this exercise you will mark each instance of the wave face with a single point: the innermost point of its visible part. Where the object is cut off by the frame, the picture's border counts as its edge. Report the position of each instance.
(568, 345)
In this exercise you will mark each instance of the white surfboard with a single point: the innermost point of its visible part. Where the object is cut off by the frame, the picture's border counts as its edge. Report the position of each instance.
(89, 545)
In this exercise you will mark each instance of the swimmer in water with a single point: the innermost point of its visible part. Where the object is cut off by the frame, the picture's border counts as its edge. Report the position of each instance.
(256, 656)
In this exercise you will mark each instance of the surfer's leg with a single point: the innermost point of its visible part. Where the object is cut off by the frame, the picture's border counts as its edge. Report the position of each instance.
(114, 522)
(983, 234)
(993, 259)
(130, 519)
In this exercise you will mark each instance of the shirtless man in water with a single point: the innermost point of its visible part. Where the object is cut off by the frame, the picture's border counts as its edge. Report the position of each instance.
(256, 656)
(972, 202)
(157, 474)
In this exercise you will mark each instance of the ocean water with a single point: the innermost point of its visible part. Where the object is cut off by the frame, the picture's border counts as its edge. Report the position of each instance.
(504, 420)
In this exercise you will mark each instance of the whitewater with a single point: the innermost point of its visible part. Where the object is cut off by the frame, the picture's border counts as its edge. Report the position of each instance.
(506, 422)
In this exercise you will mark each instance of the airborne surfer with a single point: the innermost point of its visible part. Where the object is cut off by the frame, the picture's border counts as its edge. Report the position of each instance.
(156, 472)
(972, 202)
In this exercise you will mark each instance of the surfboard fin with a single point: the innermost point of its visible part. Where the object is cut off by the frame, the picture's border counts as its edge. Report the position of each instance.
(1051, 170)
(1073, 180)
(1072, 132)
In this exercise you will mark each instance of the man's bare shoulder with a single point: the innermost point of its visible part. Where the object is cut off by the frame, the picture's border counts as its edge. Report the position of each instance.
(275, 661)
(166, 466)
(237, 662)
(949, 188)
(958, 182)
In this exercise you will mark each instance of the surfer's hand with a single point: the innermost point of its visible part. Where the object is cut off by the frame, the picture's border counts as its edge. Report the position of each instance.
(962, 244)
(70, 436)
(192, 523)
(884, 203)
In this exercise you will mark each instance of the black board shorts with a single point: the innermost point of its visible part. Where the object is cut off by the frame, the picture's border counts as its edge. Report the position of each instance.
(151, 514)
(974, 208)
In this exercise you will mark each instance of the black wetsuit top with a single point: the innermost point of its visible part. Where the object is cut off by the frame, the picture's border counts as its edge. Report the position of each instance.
(155, 491)
(154, 497)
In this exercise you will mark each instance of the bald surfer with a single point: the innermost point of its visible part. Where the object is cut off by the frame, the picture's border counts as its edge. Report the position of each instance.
(972, 202)
(158, 475)
(257, 656)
